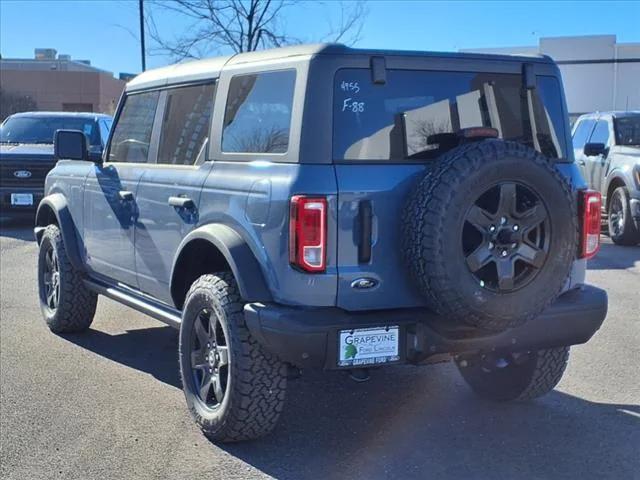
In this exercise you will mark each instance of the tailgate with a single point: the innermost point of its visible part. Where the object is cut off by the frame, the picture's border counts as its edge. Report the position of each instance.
(376, 193)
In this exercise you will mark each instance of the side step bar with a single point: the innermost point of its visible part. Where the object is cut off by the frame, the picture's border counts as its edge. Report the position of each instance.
(165, 314)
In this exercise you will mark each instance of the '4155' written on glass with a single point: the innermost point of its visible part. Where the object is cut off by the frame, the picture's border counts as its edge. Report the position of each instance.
(350, 87)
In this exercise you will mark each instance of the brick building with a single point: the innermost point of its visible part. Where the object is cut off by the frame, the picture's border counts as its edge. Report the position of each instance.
(58, 83)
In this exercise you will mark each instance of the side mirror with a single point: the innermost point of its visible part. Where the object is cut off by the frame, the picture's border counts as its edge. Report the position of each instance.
(594, 149)
(70, 145)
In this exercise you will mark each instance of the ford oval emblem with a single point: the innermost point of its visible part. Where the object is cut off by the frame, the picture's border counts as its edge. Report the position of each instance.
(22, 174)
(364, 283)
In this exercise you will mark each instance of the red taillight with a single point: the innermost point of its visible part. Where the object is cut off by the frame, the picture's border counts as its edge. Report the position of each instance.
(308, 233)
(590, 241)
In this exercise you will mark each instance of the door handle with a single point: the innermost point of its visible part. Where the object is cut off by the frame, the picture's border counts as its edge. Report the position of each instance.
(181, 202)
(125, 196)
(581, 163)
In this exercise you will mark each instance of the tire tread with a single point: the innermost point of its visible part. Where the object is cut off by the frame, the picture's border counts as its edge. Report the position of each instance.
(259, 382)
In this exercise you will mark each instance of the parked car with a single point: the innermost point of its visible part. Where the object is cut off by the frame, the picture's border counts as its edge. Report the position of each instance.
(325, 207)
(26, 154)
(607, 148)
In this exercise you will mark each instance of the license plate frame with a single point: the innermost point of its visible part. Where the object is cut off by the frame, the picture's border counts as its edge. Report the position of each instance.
(22, 199)
(362, 347)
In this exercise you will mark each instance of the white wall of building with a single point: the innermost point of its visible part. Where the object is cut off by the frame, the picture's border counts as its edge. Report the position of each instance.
(598, 73)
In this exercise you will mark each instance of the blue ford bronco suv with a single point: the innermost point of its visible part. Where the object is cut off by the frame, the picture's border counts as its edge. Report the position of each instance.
(325, 207)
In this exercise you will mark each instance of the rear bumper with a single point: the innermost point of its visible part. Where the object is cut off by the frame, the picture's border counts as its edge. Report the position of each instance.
(309, 337)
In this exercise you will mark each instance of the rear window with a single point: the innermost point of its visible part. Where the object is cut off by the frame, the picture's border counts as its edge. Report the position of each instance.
(416, 114)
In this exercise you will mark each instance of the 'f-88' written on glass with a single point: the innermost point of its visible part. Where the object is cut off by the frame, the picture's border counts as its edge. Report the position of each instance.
(351, 105)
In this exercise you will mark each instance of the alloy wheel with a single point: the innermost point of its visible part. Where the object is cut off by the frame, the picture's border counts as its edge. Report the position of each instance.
(51, 279)
(506, 237)
(616, 216)
(209, 359)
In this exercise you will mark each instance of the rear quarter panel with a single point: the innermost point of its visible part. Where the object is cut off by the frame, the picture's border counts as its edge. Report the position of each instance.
(253, 198)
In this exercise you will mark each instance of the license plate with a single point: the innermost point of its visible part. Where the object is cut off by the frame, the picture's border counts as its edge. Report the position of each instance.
(368, 346)
(21, 199)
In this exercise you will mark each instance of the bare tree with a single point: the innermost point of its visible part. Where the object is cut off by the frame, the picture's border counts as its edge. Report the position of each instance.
(11, 102)
(239, 26)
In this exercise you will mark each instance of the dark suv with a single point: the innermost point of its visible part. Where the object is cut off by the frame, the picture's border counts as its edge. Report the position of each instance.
(324, 207)
(26, 154)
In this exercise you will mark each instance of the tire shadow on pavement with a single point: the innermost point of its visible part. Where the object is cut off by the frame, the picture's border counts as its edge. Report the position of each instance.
(614, 257)
(425, 423)
(409, 422)
(21, 229)
(149, 350)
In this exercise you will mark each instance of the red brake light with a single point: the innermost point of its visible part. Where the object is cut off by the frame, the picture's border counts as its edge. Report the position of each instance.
(590, 239)
(308, 233)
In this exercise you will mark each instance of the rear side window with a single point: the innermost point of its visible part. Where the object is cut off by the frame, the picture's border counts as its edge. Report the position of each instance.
(627, 130)
(132, 131)
(600, 133)
(416, 114)
(257, 118)
(185, 124)
(582, 132)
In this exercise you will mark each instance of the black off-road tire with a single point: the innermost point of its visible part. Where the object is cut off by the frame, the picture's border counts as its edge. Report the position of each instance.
(76, 304)
(433, 222)
(524, 379)
(627, 234)
(255, 392)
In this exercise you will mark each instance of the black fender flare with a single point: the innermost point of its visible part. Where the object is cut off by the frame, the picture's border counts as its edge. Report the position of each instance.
(241, 260)
(57, 203)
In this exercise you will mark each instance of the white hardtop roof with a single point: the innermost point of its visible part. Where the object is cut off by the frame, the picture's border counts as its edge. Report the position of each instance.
(210, 68)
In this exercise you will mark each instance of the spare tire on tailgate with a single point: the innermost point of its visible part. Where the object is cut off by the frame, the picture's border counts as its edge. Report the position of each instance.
(490, 234)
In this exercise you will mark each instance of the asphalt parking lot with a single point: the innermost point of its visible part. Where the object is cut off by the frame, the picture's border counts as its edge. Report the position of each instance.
(108, 404)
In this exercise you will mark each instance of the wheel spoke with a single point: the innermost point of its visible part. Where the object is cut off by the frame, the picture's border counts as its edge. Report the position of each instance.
(532, 255)
(507, 204)
(217, 388)
(198, 360)
(201, 333)
(480, 257)
(533, 217)
(506, 274)
(479, 218)
(224, 356)
(50, 294)
(205, 385)
(213, 324)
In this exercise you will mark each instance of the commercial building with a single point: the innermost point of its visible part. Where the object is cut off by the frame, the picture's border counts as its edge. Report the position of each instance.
(57, 83)
(599, 74)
